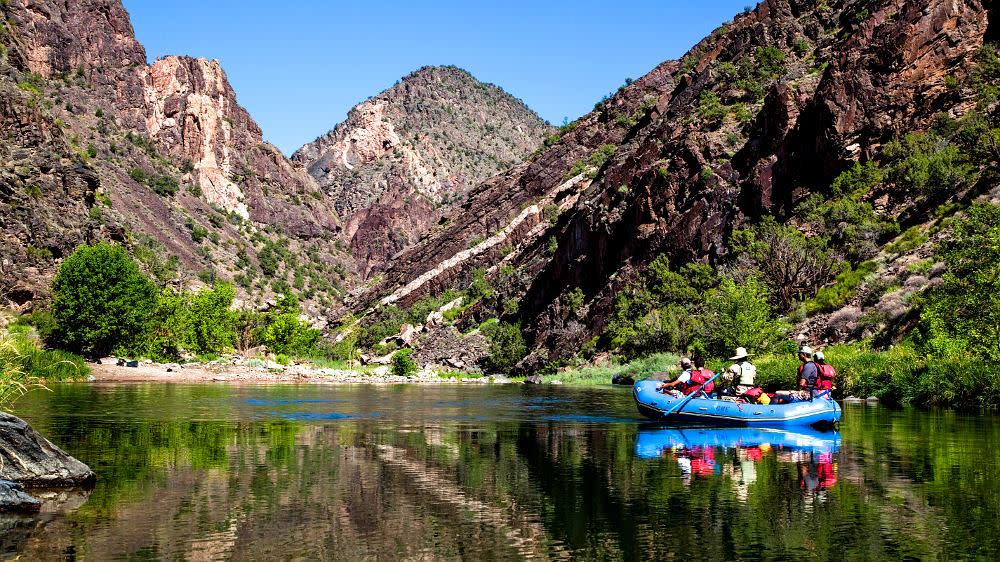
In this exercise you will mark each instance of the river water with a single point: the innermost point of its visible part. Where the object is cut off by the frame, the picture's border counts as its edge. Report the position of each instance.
(203, 472)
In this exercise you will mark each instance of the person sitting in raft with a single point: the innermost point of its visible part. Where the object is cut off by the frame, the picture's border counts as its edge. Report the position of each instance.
(743, 371)
(825, 374)
(700, 376)
(808, 373)
(807, 379)
(682, 380)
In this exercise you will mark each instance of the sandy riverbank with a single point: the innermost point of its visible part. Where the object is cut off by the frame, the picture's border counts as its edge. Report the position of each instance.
(220, 372)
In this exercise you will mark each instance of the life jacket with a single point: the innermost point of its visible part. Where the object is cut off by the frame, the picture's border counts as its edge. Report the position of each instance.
(698, 377)
(747, 372)
(824, 376)
(756, 395)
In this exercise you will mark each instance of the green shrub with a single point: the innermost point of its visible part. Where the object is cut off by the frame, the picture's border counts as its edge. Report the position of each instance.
(574, 299)
(551, 212)
(770, 61)
(961, 316)
(602, 155)
(909, 240)
(844, 287)
(857, 180)
(929, 164)
(164, 186)
(479, 287)
(403, 364)
(506, 347)
(42, 321)
(285, 333)
(551, 245)
(101, 302)
(710, 109)
(986, 76)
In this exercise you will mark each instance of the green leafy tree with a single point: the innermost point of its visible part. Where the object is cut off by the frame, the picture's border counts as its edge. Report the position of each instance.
(403, 364)
(101, 301)
(285, 333)
(740, 314)
(212, 324)
(506, 347)
(963, 313)
(661, 312)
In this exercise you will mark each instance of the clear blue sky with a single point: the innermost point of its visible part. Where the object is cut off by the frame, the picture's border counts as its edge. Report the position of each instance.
(298, 66)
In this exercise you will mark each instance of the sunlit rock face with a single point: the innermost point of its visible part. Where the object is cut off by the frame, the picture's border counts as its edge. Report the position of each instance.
(407, 155)
(97, 145)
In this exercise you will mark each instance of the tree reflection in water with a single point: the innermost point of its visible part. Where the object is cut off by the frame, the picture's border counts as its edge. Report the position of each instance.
(205, 472)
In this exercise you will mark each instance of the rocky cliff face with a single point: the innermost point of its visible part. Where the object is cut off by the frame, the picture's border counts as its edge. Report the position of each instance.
(406, 155)
(760, 114)
(159, 156)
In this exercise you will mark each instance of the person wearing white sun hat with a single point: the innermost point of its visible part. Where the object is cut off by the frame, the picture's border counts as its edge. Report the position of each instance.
(807, 370)
(743, 371)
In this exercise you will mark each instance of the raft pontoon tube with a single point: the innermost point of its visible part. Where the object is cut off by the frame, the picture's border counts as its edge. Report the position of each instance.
(654, 405)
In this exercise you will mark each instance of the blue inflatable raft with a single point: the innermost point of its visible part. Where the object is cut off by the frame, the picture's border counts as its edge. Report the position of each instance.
(654, 405)
(651, 443)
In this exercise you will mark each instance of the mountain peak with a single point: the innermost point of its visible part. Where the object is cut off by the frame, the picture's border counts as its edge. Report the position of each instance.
(404, 155)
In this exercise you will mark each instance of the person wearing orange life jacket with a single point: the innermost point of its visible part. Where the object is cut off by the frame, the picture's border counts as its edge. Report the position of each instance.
(825, 372)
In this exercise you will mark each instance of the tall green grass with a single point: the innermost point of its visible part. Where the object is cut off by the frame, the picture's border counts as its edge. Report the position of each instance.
(898, 375)
(602, 374)
(25, 366)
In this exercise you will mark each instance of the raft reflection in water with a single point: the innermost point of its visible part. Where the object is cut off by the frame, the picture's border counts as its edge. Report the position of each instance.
(696, 451)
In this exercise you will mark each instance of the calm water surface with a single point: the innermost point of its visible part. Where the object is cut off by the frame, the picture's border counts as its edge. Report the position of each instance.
(483, 473)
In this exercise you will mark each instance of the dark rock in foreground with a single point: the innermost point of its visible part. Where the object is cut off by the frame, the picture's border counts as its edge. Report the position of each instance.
(13, 498)
(33, 461)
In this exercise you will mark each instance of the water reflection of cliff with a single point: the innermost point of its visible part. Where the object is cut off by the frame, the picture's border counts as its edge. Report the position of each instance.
(428, 486)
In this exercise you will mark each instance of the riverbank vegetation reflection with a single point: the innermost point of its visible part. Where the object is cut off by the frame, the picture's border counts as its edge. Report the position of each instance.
(502, 472)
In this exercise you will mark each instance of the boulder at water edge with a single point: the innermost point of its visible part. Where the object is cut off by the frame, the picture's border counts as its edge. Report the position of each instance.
(33, 461)
(13, 498)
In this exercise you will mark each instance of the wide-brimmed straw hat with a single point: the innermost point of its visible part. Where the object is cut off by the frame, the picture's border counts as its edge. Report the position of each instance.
(741, 353)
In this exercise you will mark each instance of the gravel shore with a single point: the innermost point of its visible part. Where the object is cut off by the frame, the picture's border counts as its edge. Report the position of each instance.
(258, 372)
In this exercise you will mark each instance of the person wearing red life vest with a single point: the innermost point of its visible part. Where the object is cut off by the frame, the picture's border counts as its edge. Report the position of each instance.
(699, 376)
(825, 372)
